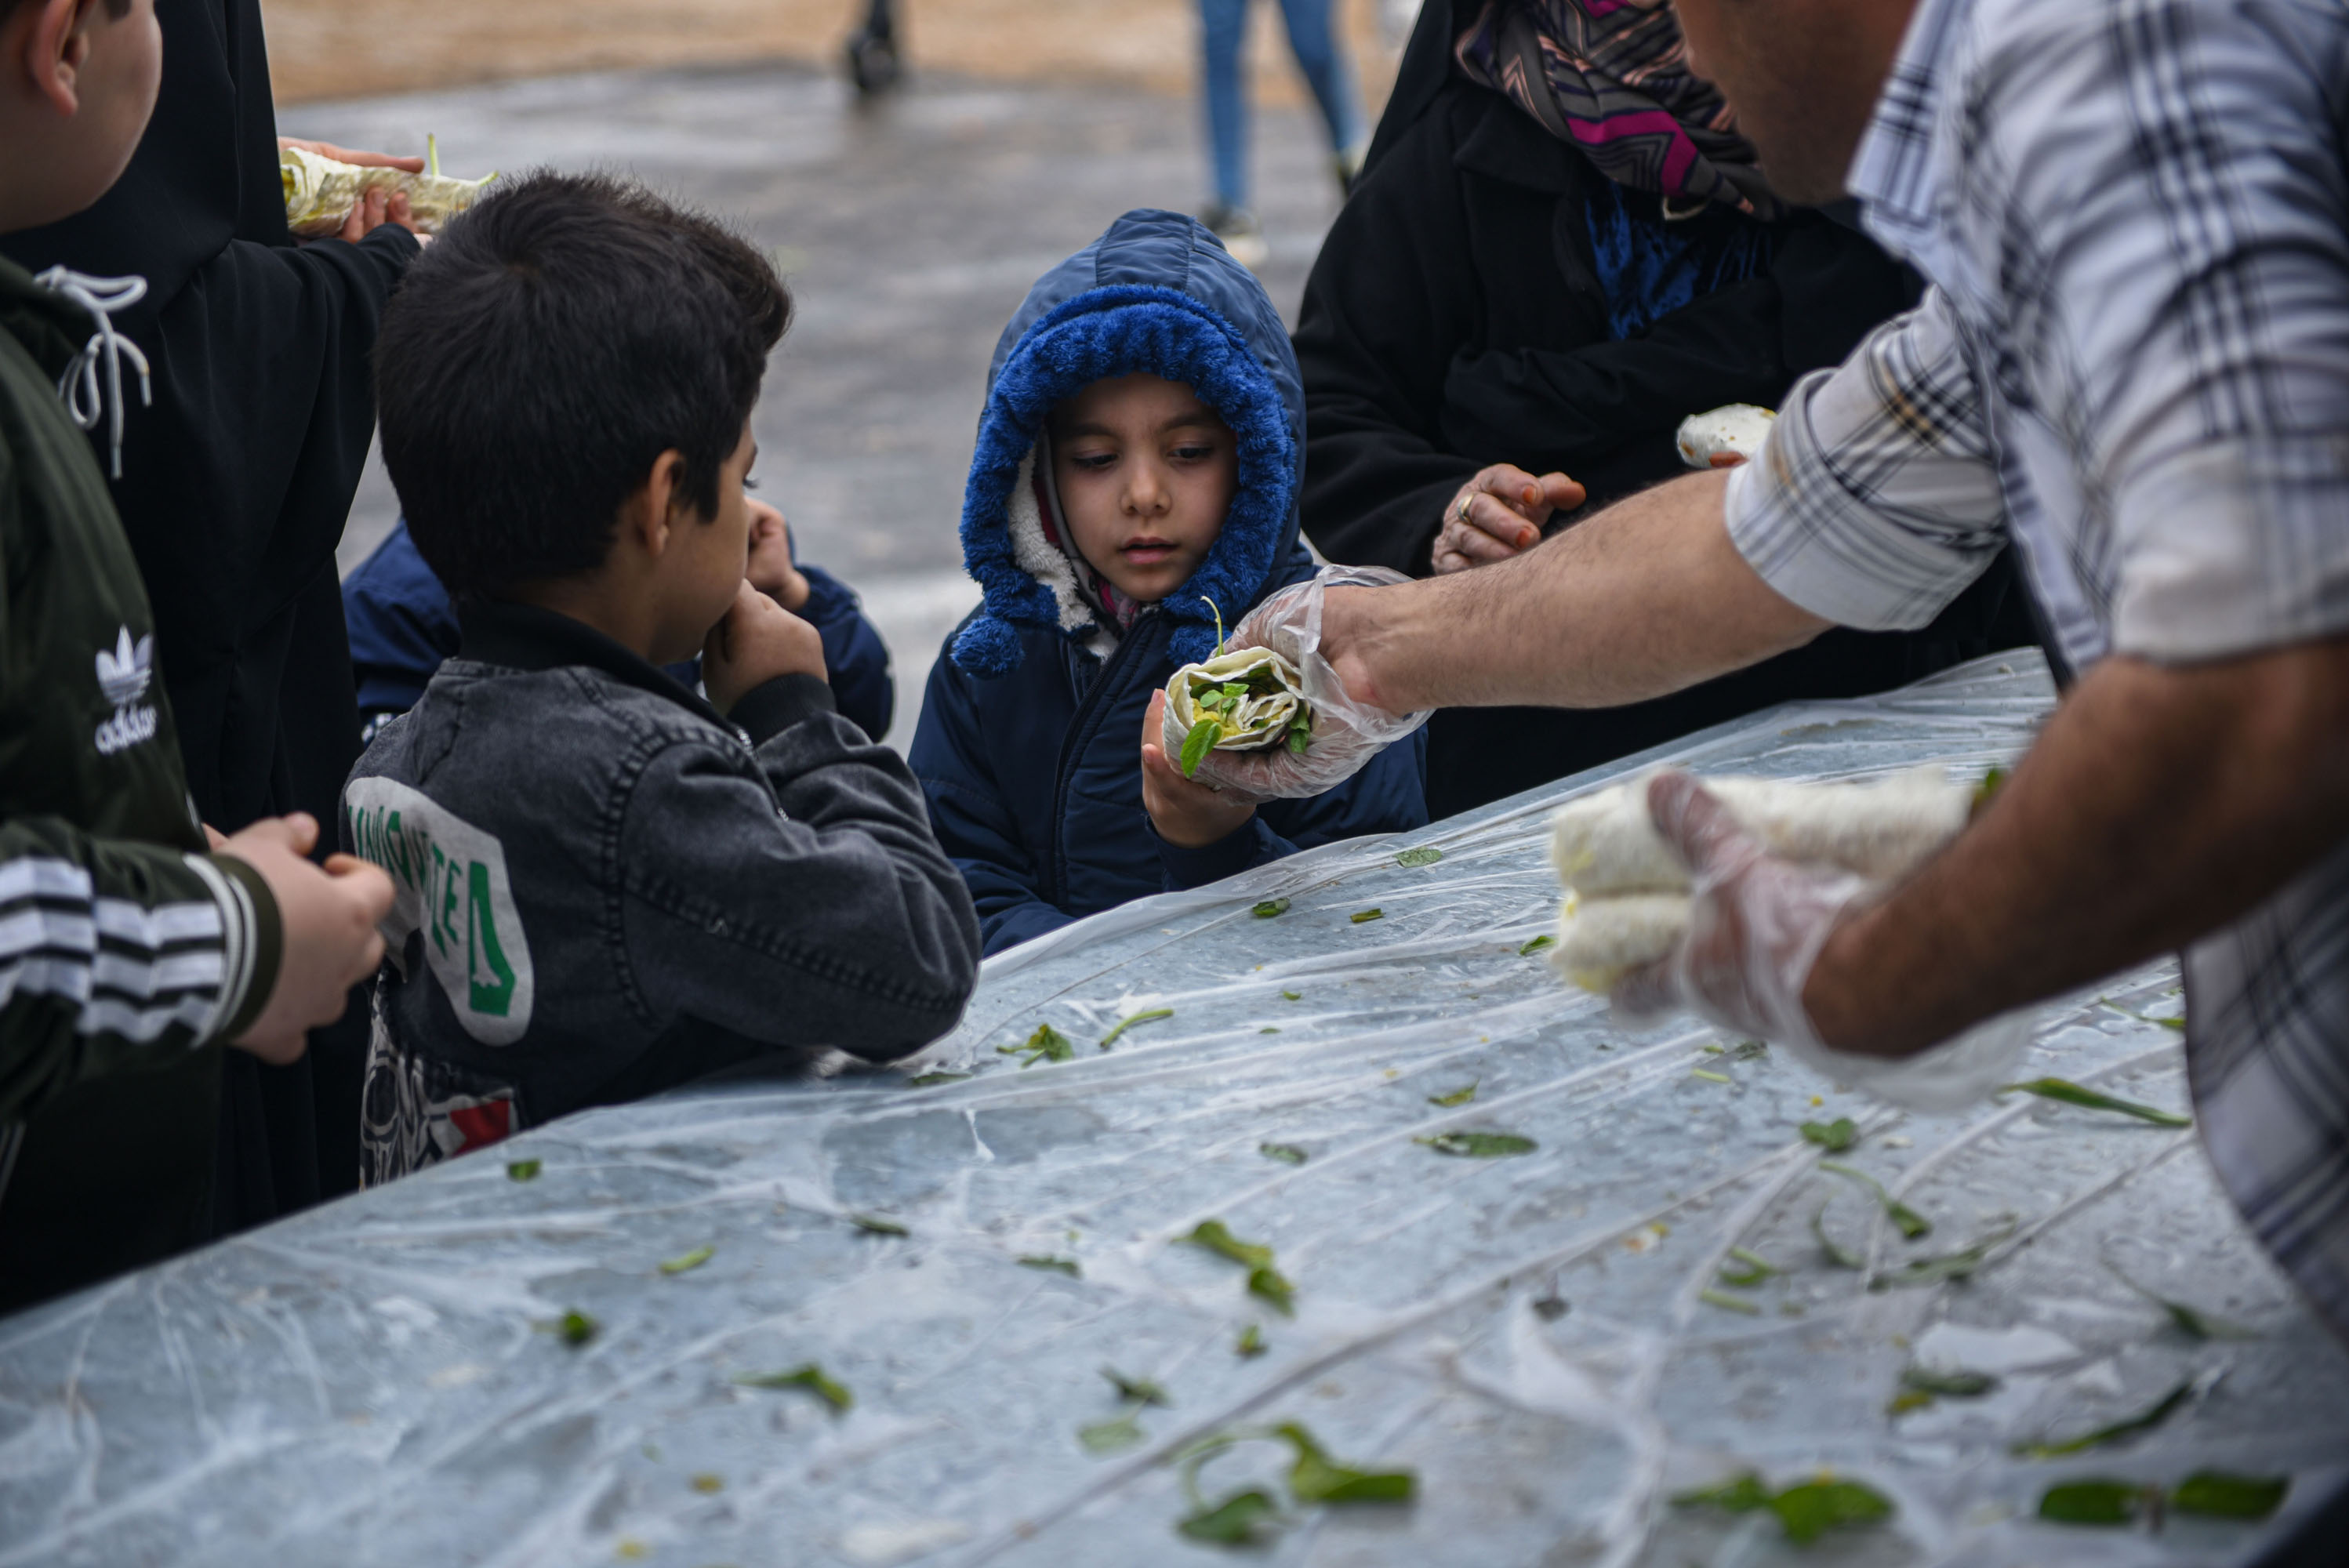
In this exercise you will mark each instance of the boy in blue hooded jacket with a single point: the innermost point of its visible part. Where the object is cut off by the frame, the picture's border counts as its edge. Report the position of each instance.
(1136, 475)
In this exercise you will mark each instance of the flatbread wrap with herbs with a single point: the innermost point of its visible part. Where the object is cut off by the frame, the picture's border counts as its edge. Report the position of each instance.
(320, 191)
(1246, 699)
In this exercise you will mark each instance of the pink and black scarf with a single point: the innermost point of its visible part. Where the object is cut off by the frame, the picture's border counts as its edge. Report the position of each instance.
(1611, 77)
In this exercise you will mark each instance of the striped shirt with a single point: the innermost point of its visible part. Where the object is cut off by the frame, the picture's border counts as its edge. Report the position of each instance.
(2133, 366)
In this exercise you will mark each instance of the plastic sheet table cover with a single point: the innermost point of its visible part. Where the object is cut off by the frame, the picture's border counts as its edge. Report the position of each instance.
(1545, 1339)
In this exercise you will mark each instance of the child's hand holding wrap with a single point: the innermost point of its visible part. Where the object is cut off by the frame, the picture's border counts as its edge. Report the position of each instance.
(1346, 733)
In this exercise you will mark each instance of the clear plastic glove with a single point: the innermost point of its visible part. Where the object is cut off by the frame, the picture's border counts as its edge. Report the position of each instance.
(1346, 734)
(1756, 925)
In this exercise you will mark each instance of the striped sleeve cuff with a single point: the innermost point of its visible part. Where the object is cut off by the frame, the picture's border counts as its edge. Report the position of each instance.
(252, 944)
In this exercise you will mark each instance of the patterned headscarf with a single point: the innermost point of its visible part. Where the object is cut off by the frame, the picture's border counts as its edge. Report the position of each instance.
(1611, 77)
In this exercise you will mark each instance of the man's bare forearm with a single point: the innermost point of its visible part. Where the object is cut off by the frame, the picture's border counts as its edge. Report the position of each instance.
(1644, 599)
(2158, 804)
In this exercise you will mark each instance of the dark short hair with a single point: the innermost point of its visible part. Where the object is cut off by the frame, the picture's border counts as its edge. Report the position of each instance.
(544, 351)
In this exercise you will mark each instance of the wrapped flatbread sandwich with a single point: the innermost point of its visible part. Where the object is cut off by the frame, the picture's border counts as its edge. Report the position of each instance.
(1725, 436)
(320, 191)
(1250, 700)
(1627, 893)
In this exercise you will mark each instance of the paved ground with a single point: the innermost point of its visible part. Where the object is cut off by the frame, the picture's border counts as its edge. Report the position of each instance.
(909, 231)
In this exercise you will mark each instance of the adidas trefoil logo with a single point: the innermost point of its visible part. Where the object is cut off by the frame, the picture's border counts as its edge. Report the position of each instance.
(123, 674)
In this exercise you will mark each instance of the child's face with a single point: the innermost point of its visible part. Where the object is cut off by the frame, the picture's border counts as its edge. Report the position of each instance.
(1146, 472)
(80, 83)
(710, 554)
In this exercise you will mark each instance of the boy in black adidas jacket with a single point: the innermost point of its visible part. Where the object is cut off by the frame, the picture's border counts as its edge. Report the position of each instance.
(127, 953)
(607, 885)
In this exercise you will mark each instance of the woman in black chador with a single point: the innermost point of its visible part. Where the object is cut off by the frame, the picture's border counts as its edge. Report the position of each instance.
(233, 484)
(1558, 248)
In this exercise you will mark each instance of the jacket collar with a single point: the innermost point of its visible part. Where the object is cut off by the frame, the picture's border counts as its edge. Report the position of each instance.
(526, 637)
(1505, 143)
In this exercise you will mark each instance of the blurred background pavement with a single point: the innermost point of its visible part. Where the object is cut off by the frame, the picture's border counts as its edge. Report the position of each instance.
(909, 226)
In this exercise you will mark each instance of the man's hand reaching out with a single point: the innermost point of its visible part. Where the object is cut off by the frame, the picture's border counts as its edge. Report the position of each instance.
(1187, 814)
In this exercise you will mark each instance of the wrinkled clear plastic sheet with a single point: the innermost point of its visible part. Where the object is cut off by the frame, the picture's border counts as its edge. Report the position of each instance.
(1542, 1338)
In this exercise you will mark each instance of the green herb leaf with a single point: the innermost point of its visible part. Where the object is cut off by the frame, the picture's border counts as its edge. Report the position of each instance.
(1906, 1401)
(523, 1169)
(1958, 1384)
(574, 1327)
(2217, 1495)
(1420, 855)
(1301, 738)
(1317, 1478)
(1743, 1495)
(1264, 1281)
(1216, 1237)
(927, 1079)
(1046, 1045)
(1269, 1030)
(1710, 1076)
(1250, 1342)
(1841, 1257)
(1240, 1520)
(877, 1225)
(1757, 1269)
(1911, 1223)
(1292, 995)
(2070, 1093)
(1836, 1136)
(2092, 1503)
(1202, 738)
(1068, 1266)
(1990, 784)
(689, 1262)
(706, 1484)
(1732, 1303)
(1361, 916)
(1108, 1436)
(1750, 1051)
(1271, 909)
(1461, 1095)
(1152, 1016)
(1537, 944)
(1947, 1266)
(2195, 1322)
(809, 1376)
(2144, 1420)
(1811, 1510)
(1140, 1390)
(1479, 1145)
(1286, 1153)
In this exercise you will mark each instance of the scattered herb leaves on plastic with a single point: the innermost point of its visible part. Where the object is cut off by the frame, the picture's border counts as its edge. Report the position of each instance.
(1108, 1436)
(927, 1079)
(1757, 1269)
(2070, 1093)
(1269, 1285)
(1286, 1153)
(1047, 1261)
(1460, 1096)
(1271, 909)
(574, 1327)
(809, 1376)
(1217, 1237)
(1240, 1520)
(1420, 855)
(2192, 1321)
(689, 1261)
(1250, 1342)
(1292, 995)
(2145, 1420)
(1834, 1136)
(1911, 1223)
(1046, 1045)
(2215, 1495)
(1315, 1477)
(1807, 1511)
(1957, 1383)
(2092, 1503)
(1151, 1015)
(1710, 1076)
(523, 1169)
(1359, 915)
(1841, 1256)
(1537, 945)
(876, 1225)
(706, 1484)
(1732, 1302)
(1140, 1390)
(1479, 1145)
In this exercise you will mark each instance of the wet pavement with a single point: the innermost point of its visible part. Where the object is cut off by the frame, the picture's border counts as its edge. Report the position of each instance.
(909, 229)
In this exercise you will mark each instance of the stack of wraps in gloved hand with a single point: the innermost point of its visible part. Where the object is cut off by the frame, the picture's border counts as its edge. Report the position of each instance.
(320, 191)
(1627, 893)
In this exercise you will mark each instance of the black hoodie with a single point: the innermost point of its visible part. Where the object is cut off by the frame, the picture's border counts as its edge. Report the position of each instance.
(235, 484)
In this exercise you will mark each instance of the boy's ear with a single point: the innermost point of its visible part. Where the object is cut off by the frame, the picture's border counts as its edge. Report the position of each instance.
(655, 511)
(55, 47)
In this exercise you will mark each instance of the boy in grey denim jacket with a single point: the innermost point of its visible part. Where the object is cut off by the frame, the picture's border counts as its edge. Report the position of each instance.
(609, 885)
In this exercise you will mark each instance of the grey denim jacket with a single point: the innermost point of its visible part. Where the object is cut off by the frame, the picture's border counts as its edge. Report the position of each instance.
(606, 889)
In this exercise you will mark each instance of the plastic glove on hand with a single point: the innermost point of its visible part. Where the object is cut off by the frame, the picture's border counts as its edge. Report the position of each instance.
(1346, 733)
(1755, 923)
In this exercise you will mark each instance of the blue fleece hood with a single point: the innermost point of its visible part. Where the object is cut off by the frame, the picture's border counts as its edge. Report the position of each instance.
(1156, 292)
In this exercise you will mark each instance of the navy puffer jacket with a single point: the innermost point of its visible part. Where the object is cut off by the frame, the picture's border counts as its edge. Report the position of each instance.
(1029, 743)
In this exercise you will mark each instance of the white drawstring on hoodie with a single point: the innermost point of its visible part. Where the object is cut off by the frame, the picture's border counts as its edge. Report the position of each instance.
(79, 384)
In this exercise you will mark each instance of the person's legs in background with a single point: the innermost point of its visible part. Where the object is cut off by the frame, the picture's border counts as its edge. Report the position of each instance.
(1330, 74)
(1223, 35)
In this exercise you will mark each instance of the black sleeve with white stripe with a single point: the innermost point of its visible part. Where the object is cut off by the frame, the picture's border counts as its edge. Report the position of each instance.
(118, 955)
